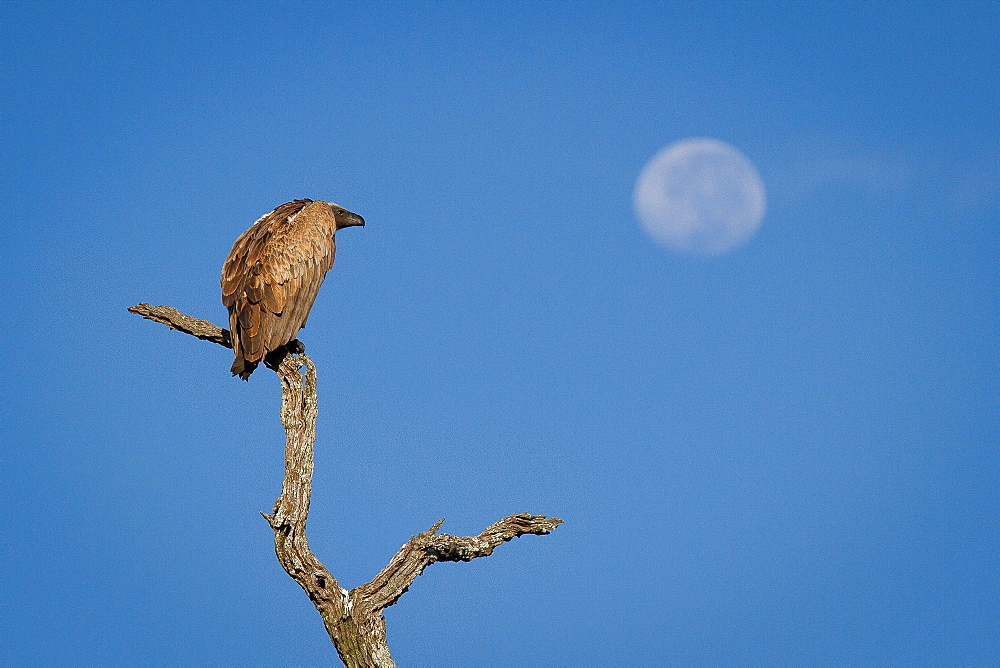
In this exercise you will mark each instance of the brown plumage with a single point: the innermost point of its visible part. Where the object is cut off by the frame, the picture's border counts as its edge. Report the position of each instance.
(272, 275)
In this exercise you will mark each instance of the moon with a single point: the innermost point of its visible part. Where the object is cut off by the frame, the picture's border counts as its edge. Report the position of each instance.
(700, 196)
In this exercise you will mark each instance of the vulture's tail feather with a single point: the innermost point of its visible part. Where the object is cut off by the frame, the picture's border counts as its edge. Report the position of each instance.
(243, 368)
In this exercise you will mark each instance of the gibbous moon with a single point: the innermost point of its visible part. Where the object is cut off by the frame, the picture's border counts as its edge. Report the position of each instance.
(700, 196)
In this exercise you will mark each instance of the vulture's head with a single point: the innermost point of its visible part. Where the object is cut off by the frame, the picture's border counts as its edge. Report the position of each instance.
(345, 218)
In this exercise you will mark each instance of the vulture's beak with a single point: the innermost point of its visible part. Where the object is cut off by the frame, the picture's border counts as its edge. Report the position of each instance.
(349, 219)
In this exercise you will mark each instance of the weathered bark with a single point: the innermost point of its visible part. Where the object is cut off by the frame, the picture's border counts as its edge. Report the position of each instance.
(353, 619)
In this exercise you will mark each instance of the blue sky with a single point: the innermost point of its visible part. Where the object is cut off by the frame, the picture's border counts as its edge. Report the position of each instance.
(787, 454)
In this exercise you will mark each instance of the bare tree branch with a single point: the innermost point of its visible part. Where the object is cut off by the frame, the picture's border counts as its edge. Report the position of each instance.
(174, 319)
(425, 548)
(353, 619)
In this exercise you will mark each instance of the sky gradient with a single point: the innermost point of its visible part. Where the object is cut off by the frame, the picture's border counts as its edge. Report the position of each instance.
(783, 455)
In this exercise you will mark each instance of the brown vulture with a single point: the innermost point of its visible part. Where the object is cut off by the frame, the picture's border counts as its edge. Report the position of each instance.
(272, 275)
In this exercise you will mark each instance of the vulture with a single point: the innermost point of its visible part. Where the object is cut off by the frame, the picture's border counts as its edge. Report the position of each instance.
(272, 275)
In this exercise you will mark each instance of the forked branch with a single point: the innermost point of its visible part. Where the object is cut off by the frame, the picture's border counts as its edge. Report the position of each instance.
(353, 619)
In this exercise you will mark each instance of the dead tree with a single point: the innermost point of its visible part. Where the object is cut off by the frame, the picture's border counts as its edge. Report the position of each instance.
(352, 618)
